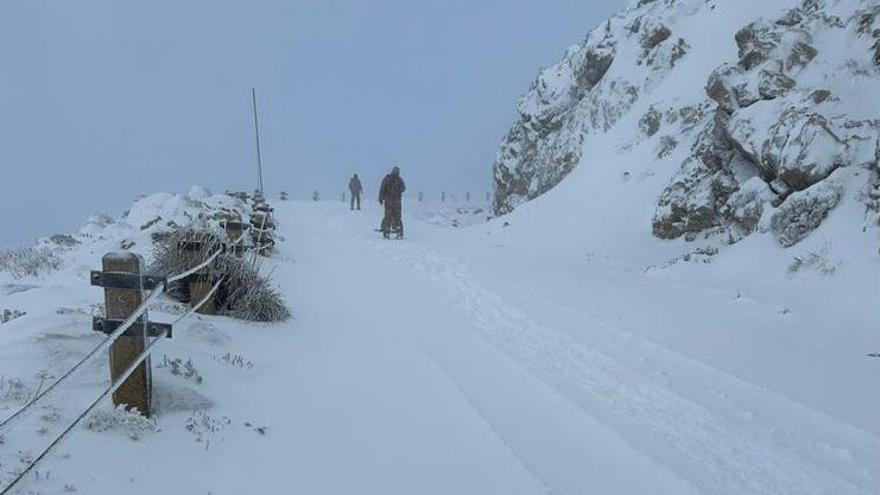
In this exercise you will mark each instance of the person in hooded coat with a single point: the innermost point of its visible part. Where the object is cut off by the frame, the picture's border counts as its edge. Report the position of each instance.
(391, 196)
(354, 185)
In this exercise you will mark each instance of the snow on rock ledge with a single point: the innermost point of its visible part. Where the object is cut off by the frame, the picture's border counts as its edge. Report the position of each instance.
(586, 93)
(172, 210)
(803, 211)
(779, 117)
(790, 113)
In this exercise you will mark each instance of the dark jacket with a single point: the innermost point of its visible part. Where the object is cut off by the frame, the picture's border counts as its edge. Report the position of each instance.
(392, 189)
(354, 185)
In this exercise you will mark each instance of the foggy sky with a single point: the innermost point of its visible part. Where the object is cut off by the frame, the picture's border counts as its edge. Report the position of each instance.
(102, 100)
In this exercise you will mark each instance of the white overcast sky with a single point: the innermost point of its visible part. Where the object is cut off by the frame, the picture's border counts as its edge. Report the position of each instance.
(102, 100)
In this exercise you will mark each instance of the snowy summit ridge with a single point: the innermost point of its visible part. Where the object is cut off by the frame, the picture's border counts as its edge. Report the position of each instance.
(756, 112)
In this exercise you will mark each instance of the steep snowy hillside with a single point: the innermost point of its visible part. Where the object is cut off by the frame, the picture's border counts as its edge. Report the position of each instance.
(757, 113)
(736, 177)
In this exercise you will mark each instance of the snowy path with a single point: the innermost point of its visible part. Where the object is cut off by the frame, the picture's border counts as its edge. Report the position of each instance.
(405, 372)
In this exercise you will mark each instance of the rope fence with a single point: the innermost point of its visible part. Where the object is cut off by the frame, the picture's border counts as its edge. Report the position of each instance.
(136, 316)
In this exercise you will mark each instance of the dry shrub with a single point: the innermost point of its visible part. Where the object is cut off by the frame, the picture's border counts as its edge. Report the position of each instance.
(29, 262)
(171, 256)
(250, 295)
(244, 293)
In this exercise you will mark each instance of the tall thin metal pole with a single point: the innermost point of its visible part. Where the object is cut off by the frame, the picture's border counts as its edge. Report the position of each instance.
(257, 132)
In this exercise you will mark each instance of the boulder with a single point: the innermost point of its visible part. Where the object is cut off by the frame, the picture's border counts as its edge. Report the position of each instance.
(774, 84)
(743, 211)
(799, 56)
(804, 148)
(803, 211)
(690, 203)
(721, 84)
(650, 122)
(755, 42)
(654, 34)
(596, 62)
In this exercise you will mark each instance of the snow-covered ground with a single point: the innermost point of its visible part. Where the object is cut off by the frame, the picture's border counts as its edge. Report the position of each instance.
(523, 355)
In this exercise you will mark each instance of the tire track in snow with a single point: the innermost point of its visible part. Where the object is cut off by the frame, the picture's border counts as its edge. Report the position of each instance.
(680, 433)
(485, 419)
(794, 426)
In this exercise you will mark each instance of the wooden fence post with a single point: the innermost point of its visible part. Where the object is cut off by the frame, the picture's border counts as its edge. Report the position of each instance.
(136, 391)
(199, 282)
(199, 287)
(234, 228)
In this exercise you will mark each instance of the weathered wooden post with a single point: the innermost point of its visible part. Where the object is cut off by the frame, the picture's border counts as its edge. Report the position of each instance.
(200, 281)
(120, 303)
(234, 228)
(199, 288)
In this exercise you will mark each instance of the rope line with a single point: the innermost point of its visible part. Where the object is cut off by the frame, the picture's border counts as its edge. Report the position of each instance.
(196, 268)
(113, 387)
(126, 324)
(201, 302)
(109, 340)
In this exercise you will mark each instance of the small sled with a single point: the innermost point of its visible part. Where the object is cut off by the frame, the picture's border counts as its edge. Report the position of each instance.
(393, 235)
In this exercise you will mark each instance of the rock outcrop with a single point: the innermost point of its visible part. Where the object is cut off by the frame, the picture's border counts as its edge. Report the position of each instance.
(803, 211)
(576, 98)
(774, 124)
(779, 121)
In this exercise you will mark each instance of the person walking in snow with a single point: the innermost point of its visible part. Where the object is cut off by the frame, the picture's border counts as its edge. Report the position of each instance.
(354, 185)
(391, 196)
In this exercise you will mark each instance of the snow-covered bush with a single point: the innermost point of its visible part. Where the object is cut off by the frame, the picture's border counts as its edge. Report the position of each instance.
(250, 295)
(13, 389)
(64, 240)
(130, 423)
(235, 360)
(177, 252)
(244, 293)
(29, 262)
(10, 314)
(703, 254)
(815, 261)
(179, 367)
(203, 426)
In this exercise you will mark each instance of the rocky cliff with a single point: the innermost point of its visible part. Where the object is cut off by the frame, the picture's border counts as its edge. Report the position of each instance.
(791, 101)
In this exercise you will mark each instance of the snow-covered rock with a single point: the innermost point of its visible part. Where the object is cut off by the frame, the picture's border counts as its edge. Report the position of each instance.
(580, 96)
(787, 108)
(791, 120)
(803, 211)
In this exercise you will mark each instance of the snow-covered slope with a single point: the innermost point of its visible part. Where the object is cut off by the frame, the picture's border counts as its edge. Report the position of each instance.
(598, 365)
(757, 114)
(738, 181)
(136, 228)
